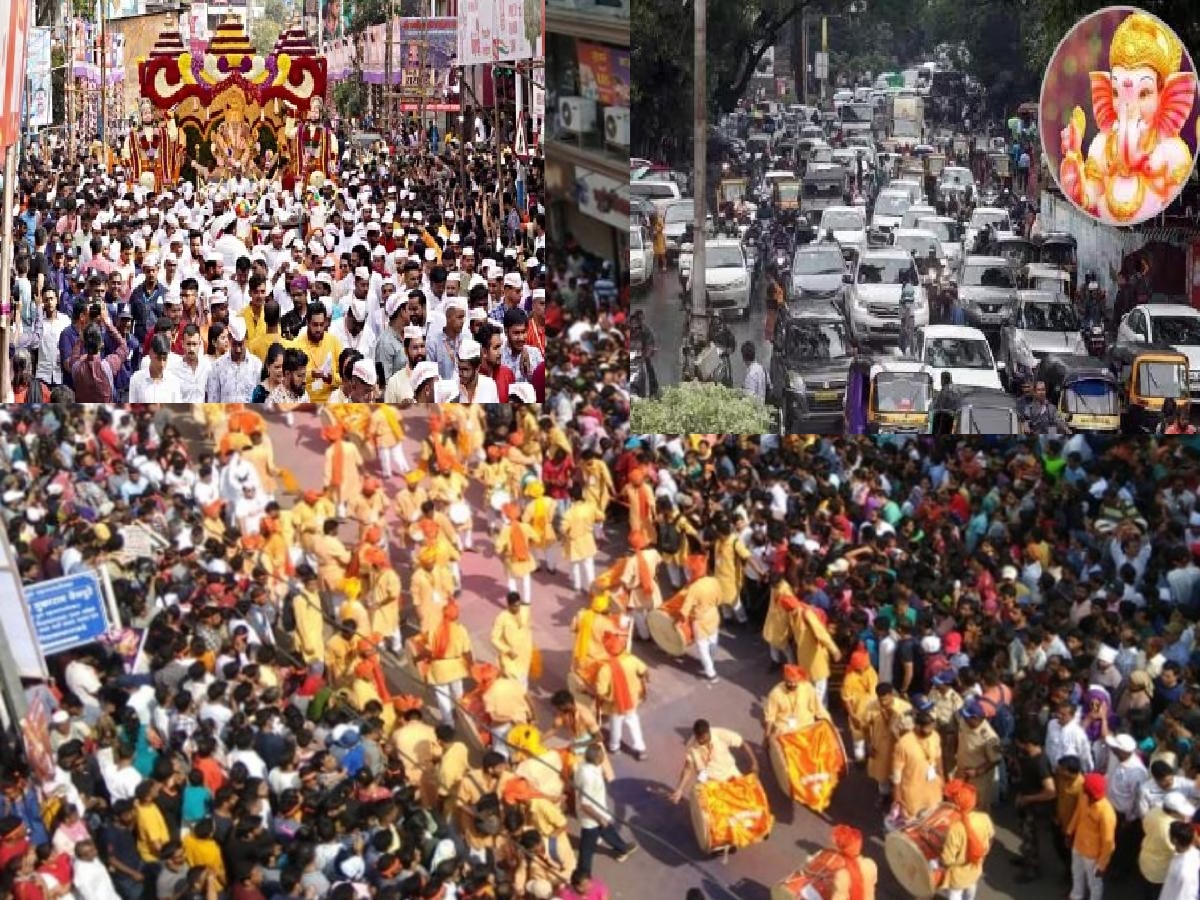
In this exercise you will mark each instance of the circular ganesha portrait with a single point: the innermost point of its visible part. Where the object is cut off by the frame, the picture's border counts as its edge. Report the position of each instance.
(1118, 115)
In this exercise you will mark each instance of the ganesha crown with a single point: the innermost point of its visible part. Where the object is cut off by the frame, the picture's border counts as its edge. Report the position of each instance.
(1141, 40)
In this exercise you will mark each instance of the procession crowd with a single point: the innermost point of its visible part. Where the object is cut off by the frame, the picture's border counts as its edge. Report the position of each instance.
(410, 276)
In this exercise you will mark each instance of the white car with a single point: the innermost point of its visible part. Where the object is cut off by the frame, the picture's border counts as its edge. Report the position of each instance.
(963, 352)
(1174, 324)
(873, 302)
(677, 216)
(982, 216)
(916, 211)
(641, 258)
(890, 207)
(1042, 323)
(726, 277)
(847, 223)
(916, 191)
(948, 232)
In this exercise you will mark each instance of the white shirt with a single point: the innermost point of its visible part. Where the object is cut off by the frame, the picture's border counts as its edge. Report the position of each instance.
(485, 391)
(1068, 740)
(364, 343)
(122, 783)
(887, 656)
(1150, 795)
(1183, 876)
(1124, 779)
(144, 389)
(253, 762)
(192, 382)
(92, 881)
(756, 382)
(84, 682)
(590, 789)
(49, 369)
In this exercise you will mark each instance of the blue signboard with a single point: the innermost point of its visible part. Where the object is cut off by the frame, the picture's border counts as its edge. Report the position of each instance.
(67, 612)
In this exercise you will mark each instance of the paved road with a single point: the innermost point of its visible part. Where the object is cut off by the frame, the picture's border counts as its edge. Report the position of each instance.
(669, 861)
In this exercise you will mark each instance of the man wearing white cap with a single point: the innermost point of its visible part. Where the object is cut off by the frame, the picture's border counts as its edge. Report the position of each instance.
(424, 381)
(354, 331)
(389, 347)
(443, 345)
(473, 387)
(235, 375)
(400, 387)
(363, 386)
(1125, 775)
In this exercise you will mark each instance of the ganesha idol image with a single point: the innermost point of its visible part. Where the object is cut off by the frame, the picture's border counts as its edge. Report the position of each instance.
(1138, 162)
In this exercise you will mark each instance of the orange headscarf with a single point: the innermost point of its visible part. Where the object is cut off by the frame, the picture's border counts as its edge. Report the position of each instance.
(520, 541)
(789, 602)
(311, 496)
(848, 842)
(429, 528)
(860, 660)
(614, 645)
(444, 456)
(794, 673)
(333, 434)
(963, 795)
(638, 541)
(441, 638)
(519, 790)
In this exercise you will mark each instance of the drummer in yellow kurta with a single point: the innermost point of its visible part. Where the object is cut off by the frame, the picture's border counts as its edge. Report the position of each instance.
(814, 646)
(386, 433)
(384, 597)
(540, 514)
(368, 507)
(496, 473)
(967, 843)
(408, 502)
(343, 468)
(449, 648)
(514, 546)
(640, 579)
(639, 497)
(363, 691)
(332, 557)
(597, 482)
(792, 704)
(589, 626)
(261, 455)
(700, 608)
(310, 623)
(579, 539)
(512, 638)
(858, 690)
(882, 718)
(308, 517)
(917, 773)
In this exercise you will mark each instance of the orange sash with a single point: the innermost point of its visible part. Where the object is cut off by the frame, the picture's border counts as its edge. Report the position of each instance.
(429, 528)
(520, 541)
(441, 639)
(446, 461)
(339, 461)
(643, 504)
(976, 848)
(645, 576)
(622, 695)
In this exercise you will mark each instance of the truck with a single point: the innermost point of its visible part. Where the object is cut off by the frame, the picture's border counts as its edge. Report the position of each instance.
(906, 117)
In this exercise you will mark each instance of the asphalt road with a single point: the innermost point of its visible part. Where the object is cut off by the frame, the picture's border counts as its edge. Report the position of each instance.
(669, 861)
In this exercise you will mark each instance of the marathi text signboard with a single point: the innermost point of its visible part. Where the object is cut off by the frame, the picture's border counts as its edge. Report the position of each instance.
(67, 612)
(492, 31)
(603, 73)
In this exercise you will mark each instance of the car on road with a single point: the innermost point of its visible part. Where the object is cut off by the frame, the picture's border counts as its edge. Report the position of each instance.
(949, 234)
(917, 211)
(641, 258)
(677, 216)
(987, 290)
(1173, 324)
(726, 277)
(810, 361)
(847, 224)
(962, 351)
(915, 190)
(873, 295)
(981, 217)
(817, 273)
(1042, 323)
(660, 193)
(890, 207)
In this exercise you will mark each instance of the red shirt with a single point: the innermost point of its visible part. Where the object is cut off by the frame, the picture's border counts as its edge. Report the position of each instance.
(503, 376)
(214, 776)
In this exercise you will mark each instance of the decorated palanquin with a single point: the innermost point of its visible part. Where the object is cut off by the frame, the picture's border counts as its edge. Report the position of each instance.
(232, 112)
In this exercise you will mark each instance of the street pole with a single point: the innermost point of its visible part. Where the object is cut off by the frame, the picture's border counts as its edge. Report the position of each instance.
(825, 54)
(69, 84)
(103, 85)
(804, 52)
(388, 87)
(6, 260)
(499, 149)
(699, 164)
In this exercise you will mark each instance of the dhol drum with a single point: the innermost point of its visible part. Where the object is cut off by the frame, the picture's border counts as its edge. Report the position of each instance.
(818, 761)
(813, 882)
(582, 685)
(499, 499)
(460, 514)
(746, 820)
(914, 850)
(668, 628)
(610, 577)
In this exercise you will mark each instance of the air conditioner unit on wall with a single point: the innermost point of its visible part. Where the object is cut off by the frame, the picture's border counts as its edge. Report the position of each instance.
(616, 125)
(577, 114)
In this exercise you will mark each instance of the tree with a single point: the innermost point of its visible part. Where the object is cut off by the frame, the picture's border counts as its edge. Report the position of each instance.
(265, 29)
(702, 408)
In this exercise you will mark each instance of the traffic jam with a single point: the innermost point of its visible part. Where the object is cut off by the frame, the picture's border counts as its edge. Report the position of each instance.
(888, 266)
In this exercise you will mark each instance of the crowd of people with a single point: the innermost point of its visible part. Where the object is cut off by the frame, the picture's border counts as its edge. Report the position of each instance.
(409, 275)
(308, 717)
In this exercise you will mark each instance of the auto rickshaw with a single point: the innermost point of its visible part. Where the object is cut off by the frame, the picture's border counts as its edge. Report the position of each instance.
(1147, 374)
(976, 410)
(785, 194)
(889, 396)
(1058, 249)
(1084, 390)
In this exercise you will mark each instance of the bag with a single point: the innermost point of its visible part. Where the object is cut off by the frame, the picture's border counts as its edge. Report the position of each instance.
(668, 538)
(1001, 717)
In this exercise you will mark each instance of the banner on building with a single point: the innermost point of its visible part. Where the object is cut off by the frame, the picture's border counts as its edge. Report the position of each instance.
(41, 110)
(422, 65)
(603, 73)
(499, 31)
(602, 198)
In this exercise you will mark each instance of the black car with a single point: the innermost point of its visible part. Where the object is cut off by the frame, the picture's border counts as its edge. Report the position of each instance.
(810, 362)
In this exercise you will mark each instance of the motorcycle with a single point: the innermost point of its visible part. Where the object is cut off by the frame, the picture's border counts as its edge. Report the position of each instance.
(1096, 339)
(642, 380)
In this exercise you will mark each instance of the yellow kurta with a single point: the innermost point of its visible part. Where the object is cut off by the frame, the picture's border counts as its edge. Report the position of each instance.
(635, 671)
(431, 589)
(787, 711)
(598, 485)
(578, 531)
(730, 556)
(858, 690)
(332, 559)
(813, 643)
(408, 505)
(308, 520)
(977, 748)
(453, 765)
(512, 637)
(631, 580)
(352, 463)
(339, 657)
(319, 356)
(960, 873)
(917, 776)
(516, 568)
(636, 521)
(385, 602)
(700, 606)
(362, 692)
(598, 626)
(262, 457)
(384, 428)
(777, 623)
(310, 626)
(881, 736)
(368, 510)
(452, 665)
(540, 514)
(356, 611)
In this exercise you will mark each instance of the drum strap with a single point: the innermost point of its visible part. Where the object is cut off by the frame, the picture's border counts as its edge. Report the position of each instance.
(855, 872)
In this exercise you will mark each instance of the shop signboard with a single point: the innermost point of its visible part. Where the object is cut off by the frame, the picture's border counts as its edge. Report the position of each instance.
(602, 198)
